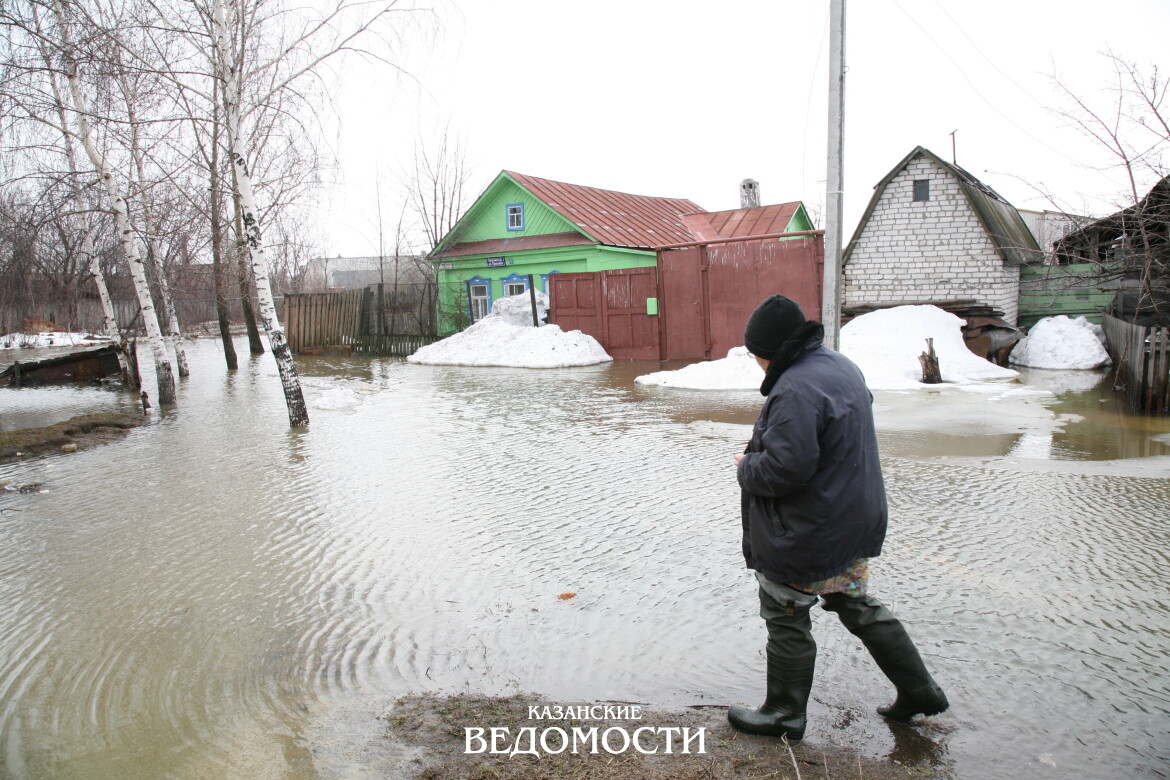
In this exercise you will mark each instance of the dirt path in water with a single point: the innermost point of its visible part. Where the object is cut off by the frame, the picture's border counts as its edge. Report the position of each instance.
(432, 731)
(77, 433)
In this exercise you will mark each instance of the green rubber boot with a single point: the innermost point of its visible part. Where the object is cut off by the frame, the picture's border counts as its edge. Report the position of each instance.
(783, 711)
(895, 654)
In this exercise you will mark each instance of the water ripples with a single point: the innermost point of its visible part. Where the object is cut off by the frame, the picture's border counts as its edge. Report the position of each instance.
(193, 601)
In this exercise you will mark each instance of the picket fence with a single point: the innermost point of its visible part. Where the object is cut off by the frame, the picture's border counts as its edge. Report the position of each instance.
(1141, 359)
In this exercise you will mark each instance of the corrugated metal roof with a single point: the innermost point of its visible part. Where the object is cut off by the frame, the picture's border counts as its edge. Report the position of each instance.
(493, 246)
(737, 223)
(614, 218)
(1003, 223)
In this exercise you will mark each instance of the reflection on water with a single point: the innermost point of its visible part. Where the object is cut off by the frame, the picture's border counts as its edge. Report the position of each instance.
(216, 596)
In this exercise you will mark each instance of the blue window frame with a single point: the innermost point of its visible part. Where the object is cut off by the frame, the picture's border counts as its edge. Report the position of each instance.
(514, 214)
(479, 297)
(514, 284)
(545, 282)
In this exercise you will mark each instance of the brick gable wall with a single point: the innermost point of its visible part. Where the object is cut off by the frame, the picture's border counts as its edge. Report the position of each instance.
(934, 250)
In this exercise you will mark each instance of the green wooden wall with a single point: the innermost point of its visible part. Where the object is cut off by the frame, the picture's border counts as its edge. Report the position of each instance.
(488, 217)
(453, 274)
(1073, 290)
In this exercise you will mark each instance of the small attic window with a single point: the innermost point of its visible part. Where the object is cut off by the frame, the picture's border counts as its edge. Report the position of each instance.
(515, 213)
(921, 189)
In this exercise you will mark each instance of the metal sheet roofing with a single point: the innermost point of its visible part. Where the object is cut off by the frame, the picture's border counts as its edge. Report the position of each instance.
(738, 223)
(614, 218)
(1003, 223)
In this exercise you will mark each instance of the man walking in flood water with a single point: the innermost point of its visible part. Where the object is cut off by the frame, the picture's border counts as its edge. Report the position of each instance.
(814, 513)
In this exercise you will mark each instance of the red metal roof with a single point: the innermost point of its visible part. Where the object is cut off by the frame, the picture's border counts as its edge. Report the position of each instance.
(615, 218)
(503, 245)
(737, 223)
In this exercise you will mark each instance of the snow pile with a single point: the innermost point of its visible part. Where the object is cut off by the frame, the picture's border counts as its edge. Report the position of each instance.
(1062, 343)
(517, 309)
(885, 344)
(506, 338)
(55, 339)
(737, 371)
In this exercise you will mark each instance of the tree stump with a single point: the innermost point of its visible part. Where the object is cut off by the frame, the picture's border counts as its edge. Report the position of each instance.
(929, 361)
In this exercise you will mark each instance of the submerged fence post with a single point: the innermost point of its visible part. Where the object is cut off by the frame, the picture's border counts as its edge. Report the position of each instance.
(532, 297)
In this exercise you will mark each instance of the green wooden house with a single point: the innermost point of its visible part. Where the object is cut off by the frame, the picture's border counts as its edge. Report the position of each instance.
(524, 226)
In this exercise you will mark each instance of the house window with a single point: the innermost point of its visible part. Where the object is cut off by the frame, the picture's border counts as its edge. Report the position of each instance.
(515, 216)
(921, 189)
(479, 299)
(545, 282)
(515, 285)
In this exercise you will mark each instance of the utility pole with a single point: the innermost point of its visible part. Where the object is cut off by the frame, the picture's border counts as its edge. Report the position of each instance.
(835, 184)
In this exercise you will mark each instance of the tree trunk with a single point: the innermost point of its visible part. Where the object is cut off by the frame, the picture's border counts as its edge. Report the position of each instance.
(930, 371)
(217, 264)
(153, 256)
(162, 364)
(88, 250)
(298, 413)
(255, 345)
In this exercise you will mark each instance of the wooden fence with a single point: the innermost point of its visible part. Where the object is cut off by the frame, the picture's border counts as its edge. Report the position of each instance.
(364, 322)
(1141, 358)
(322, 319)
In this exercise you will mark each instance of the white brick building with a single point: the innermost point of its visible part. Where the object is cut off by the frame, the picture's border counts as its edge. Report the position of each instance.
(933, 233)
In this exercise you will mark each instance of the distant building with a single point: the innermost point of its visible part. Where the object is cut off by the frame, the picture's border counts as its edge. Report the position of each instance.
(350, 273)
(1048, 227)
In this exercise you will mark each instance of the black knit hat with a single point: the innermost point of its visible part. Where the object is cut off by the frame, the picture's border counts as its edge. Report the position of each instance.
(772, 323)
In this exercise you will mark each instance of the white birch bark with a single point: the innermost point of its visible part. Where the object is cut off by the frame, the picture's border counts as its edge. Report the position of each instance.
(173, 335)
(162, 364)
(229, 74)
(88, 250)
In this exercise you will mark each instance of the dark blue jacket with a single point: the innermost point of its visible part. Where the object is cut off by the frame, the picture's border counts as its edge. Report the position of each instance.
(813, 496)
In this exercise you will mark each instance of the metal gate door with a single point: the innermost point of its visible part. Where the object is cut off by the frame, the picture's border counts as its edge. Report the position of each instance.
(610, 306)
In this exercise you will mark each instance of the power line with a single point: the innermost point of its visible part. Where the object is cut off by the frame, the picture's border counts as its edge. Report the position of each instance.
(975, 89)
(808, 106)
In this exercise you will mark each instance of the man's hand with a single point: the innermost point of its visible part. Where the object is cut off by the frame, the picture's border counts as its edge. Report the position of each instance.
(738, 458)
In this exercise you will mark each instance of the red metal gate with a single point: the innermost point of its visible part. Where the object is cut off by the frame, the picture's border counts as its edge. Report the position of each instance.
(709, 291)
(610, 306)
(705, 295)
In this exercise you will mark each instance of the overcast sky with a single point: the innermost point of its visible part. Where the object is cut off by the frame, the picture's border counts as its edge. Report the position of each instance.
(685, 99)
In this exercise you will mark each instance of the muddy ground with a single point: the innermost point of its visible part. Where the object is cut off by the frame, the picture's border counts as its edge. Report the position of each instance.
(430, 730)
(76, 433)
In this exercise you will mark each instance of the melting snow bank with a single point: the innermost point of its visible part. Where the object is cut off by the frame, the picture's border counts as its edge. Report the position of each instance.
(737, 371)
(885, 344)
(506, 337)
(54, 339)
(1062, 343)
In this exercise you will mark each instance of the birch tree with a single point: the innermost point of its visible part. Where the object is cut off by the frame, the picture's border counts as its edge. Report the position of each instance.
(305, 51)
(89, 251)
(227, 70)
(131, 95)
(164, 373)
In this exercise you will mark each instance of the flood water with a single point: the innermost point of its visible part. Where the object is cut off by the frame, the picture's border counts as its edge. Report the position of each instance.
(217, 596)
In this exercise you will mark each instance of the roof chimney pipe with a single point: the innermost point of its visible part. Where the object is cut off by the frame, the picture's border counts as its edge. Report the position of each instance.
(749, 194)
